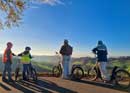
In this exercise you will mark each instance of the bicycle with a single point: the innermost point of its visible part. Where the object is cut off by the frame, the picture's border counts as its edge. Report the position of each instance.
(17, 70)
(57, 70)
(119, 77)
(75, 75)
(32, 74)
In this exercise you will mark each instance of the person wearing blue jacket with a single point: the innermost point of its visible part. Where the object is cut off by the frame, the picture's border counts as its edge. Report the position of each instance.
(101, 52)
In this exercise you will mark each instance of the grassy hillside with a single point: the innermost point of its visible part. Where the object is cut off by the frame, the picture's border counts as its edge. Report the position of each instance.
(44, 66)
(123, 64)
(39, 66)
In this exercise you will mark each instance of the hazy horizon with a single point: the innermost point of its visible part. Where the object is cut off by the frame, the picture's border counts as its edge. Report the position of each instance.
(76, 56)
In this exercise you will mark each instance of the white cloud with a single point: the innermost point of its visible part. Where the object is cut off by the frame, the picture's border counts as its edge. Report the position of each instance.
(49, 2)
(53, 2)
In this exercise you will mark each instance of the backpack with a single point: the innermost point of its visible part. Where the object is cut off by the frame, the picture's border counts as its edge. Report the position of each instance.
(66, 50)
(69, 50)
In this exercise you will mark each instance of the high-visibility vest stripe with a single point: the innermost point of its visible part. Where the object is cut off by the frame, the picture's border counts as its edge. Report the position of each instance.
(25, 58)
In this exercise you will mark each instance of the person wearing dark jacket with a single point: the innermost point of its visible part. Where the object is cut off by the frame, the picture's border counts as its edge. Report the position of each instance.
(101, 52)
(66, 52)
(7, 60)
(25, 60)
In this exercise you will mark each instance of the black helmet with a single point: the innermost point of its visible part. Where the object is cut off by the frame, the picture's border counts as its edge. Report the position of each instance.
(28, 48)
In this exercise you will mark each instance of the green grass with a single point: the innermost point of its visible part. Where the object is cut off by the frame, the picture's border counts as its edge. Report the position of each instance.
(77, 63)
(43, 65)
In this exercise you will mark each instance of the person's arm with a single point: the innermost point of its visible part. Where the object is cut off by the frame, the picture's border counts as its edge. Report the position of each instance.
(106, 52)
(61, 50)
(30, 56)
(94, 50)
(72, 50)
(13, 54)
(20, 54)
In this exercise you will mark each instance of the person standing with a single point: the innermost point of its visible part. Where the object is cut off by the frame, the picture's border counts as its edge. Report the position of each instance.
(7, 60)
(26, 61)
(66, 52)
(101, 51)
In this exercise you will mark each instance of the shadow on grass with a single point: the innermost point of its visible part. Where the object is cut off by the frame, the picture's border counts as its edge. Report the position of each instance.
(110, 86)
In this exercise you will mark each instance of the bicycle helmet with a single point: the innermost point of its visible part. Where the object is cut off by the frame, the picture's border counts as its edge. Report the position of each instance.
(100, 42)
(9, 44)
(27, 48)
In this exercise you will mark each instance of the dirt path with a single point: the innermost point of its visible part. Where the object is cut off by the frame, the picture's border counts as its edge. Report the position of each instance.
(56, 85)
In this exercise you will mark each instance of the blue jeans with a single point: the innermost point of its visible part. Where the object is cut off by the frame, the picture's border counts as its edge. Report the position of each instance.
(103, 69)
(66, 66)
(7, 67)
(26, 67)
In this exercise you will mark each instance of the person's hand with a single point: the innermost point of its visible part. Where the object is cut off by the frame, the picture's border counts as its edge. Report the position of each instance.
(13, 54)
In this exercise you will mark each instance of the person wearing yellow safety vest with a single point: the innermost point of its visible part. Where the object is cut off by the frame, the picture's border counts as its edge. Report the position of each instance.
(7, 60)
(25, 60)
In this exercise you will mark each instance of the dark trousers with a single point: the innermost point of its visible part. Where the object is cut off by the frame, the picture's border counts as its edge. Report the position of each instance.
(7, 68)
(26, 68)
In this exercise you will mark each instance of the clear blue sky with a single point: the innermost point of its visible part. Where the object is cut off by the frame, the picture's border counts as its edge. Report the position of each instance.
(83, 22)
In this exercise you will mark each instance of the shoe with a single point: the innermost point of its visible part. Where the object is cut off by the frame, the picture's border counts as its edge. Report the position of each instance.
(11, 80)
(4, 79)
(25, 79)
(107, 81)
(64, 77)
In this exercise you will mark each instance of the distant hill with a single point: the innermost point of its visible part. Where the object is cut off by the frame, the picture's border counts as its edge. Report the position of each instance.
(55, 59)
(46, 63)
(49, 59)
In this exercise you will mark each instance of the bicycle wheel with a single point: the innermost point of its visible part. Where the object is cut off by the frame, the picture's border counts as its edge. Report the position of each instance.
(77, 73)
(92, 74)
(122, 78)
(56, 71)
(34, 74)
